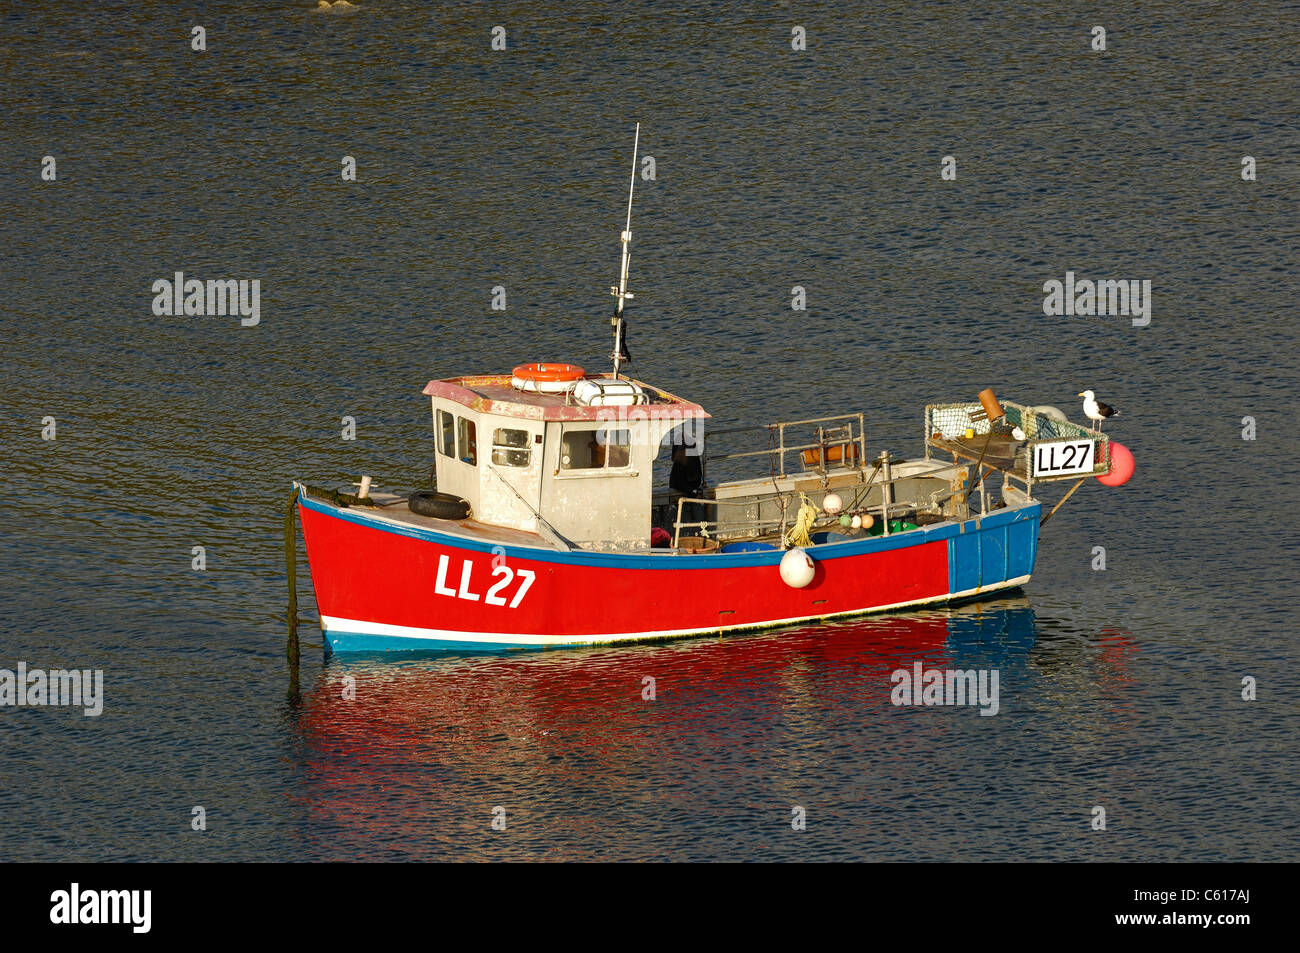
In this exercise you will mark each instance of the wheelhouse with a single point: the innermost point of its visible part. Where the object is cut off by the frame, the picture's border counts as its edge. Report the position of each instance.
(548, 463)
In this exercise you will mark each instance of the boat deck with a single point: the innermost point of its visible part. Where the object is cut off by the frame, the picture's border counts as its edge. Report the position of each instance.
(395, 509)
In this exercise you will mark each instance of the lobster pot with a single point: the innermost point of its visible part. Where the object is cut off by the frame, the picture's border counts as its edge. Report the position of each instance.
(593, 393)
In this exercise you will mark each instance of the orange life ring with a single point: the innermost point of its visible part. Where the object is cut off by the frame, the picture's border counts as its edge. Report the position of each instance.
(550, 373)
(545, 378)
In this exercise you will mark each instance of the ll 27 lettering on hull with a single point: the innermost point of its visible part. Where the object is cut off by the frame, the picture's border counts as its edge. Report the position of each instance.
(494, 596)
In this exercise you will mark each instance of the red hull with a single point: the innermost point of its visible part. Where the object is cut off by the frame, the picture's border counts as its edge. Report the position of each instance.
(381, 584)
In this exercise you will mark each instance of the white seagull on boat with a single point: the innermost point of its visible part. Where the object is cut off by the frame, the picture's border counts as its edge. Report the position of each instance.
(1095, 410)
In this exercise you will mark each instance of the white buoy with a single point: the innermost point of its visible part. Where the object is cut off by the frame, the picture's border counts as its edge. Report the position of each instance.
(856, 522)
(832, 503)
(797, 568)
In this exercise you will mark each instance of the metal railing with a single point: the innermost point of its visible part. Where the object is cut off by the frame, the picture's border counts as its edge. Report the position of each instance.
(776, 433)
(759, 526)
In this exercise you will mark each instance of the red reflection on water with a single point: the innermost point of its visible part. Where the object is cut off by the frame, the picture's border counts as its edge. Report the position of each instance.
(542, 691)
(455, 733)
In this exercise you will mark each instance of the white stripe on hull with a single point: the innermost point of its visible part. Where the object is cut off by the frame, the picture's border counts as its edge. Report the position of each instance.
(354, 627)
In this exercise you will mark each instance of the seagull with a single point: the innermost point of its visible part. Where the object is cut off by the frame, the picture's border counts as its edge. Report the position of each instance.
(1095, 410)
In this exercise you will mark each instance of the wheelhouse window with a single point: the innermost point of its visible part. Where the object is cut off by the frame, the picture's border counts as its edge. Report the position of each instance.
(467, 439)
(511, 448)
(605, 448)
(446, 434)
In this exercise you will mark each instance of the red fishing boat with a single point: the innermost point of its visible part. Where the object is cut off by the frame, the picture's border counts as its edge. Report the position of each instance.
(575, 509)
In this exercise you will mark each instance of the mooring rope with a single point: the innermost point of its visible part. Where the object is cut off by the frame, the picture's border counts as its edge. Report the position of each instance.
(337, 497)
(291, 570)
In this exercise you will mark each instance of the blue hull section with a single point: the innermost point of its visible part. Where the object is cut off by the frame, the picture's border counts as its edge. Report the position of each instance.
(993, 549)
(355, 642)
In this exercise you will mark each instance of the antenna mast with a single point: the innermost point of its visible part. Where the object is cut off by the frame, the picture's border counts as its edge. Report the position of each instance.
(621, 292)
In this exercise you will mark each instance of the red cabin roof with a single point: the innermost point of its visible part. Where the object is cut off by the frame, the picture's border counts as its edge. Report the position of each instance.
(493, 394)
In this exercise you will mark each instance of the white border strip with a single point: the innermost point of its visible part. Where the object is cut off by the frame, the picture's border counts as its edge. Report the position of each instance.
(354, 627)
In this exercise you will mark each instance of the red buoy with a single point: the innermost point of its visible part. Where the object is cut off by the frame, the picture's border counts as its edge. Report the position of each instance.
(1121, 466)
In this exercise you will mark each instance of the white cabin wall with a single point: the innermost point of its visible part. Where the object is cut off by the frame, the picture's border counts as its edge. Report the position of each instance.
(603, 507)
(498, 505)
(596, 507)
(454, 477)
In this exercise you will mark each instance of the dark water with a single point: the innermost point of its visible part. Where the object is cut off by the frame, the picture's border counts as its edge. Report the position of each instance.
(1119, 689)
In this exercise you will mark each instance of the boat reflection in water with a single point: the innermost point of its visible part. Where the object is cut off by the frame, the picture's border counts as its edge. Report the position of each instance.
(594, 689)
(571, 741)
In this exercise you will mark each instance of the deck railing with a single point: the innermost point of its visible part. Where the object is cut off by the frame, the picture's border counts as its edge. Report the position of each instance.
(827, 439)
(758, 526)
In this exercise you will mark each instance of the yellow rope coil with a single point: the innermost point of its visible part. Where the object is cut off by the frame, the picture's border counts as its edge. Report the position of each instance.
(797, 535)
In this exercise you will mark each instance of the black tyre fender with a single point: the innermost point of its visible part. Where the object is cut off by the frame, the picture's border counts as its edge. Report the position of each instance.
(440, 506)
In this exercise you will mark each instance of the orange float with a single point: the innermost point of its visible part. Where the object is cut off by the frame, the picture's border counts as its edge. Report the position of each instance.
(1122, 466)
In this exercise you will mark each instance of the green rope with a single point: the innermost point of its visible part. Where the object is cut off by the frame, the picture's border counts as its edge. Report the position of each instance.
(337, 497)
(290, 565)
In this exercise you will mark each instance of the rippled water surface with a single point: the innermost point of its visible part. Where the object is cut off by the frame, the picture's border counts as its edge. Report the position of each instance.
(1119, 689)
